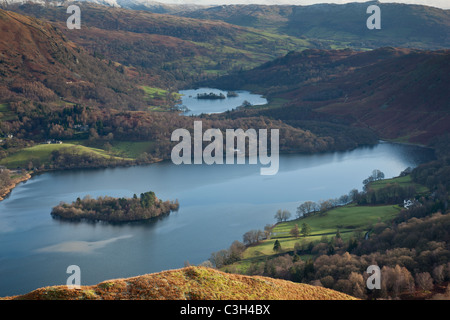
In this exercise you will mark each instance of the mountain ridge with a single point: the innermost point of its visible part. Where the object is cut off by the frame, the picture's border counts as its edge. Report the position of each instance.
(402, 25)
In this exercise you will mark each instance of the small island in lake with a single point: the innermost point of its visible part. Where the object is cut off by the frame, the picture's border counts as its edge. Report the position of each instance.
(210, 95)
(232, 94)
(109, 209)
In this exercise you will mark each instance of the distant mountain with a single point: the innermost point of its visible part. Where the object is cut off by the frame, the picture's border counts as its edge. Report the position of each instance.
(399, 93)
(402, 25)
(190, 283)
(146, 5)
(158, 7)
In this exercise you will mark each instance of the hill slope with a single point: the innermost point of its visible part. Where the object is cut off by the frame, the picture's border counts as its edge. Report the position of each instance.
(190, 283)
(40, 64)
(171, 49)
(401, 25)
(398, 93)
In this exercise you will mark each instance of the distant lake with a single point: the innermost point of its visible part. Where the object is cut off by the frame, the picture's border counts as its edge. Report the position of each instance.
(199, 106)
(218, 204)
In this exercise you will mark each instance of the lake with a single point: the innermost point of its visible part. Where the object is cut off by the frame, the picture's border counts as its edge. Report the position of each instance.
(199, 106)
(218, 204)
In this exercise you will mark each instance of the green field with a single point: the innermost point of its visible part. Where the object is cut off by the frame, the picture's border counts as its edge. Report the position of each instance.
(401, 181)
(158, 93)
(154, 92)
(125, 149)
(41, 153)
(5, 113)
(347, 219)
(131, 149)
(160, 99)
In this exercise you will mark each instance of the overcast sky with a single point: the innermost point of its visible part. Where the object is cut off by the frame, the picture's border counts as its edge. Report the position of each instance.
(445, 4)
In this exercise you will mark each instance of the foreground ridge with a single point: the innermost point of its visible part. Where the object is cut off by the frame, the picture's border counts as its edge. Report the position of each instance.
(189, 283)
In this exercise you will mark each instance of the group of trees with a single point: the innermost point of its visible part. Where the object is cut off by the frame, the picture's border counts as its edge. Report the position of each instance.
(388, 194)
(146, 207)
(413, 256)
(5, 179)
(255, 236)
(304, 231)
(375, 176)
(435, 174)
(11, 145)
(36, 122)
(228, 256)
(282, 215)
(309, 208)
(210, 96)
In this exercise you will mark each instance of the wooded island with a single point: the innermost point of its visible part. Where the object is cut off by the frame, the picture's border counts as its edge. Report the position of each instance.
(110, 209)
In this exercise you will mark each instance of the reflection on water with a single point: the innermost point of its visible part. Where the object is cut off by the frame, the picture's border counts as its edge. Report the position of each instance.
(80, 246)
(218, 204)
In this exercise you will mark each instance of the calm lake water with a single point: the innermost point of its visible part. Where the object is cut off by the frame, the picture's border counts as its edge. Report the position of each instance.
(199, 106)
(218, 204)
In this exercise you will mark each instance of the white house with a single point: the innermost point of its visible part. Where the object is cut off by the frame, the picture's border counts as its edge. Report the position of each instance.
(410, 203)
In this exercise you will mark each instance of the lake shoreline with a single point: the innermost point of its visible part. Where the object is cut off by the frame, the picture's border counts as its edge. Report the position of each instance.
(4, 193)
(235, 198)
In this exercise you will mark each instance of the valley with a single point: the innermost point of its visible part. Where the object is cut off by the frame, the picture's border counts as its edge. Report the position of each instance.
(92, 112)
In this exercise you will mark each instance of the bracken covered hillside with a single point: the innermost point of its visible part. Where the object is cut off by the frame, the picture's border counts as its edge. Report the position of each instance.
(39, 64)
(396, 92)
(190, 283)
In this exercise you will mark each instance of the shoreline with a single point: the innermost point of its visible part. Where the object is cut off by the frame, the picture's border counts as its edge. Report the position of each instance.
(4, 193)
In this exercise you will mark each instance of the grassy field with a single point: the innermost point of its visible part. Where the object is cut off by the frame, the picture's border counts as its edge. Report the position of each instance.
(160, 96)
(159, 99)
(402, 181)
(122, 149)
(131, 149)
(347, 219)
(41, 153)
(154, 93)
(5, 113)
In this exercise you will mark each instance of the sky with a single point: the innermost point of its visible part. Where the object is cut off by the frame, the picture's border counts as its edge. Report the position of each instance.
(444, 4)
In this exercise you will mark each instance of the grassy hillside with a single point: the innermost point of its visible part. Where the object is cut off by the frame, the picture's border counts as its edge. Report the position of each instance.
(42, 153)
(42, 66)
(401, 181)
(348, 220)
(191, 283)
(351, 220)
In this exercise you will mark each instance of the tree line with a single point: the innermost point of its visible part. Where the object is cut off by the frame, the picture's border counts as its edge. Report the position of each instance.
(39, 122)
